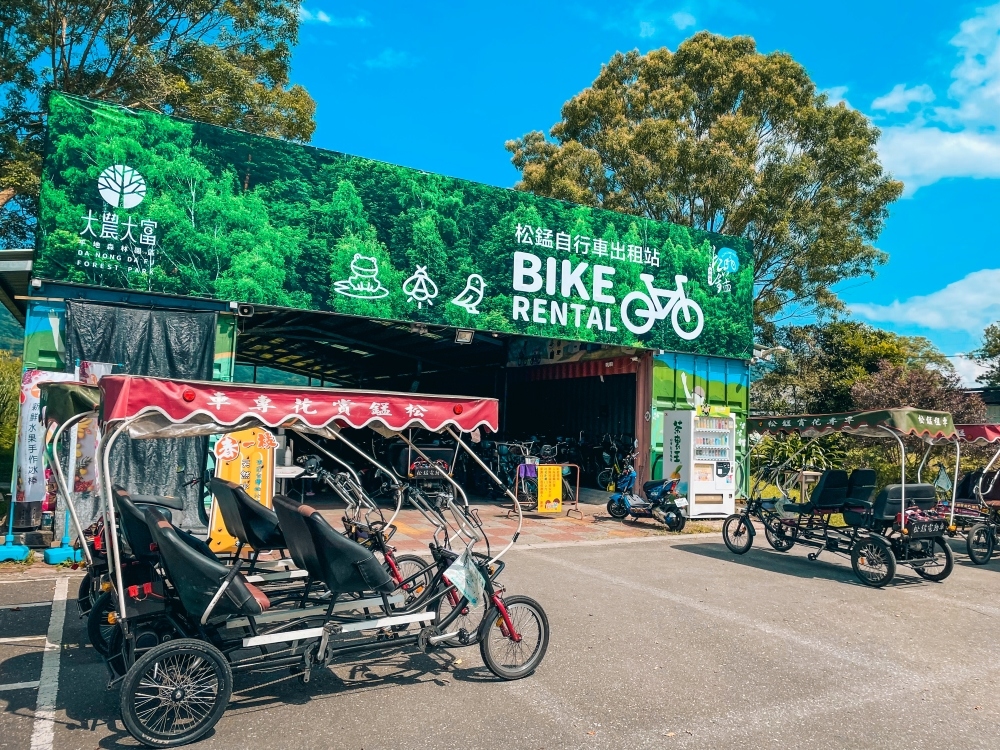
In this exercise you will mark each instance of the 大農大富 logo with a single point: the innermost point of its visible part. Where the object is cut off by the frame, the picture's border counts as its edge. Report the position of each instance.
(121, 186)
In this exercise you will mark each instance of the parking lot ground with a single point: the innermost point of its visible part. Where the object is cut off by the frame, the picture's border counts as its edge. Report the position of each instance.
(661, 641)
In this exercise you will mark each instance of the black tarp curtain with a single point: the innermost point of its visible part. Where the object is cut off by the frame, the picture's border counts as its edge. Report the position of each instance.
(158, 343)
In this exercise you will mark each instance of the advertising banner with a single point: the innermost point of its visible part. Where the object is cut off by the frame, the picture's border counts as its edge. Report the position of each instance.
(139, 200)
(245, 458)
(550, 487)
(33, 479)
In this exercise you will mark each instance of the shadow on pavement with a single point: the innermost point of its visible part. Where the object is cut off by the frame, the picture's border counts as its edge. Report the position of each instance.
(826, 568)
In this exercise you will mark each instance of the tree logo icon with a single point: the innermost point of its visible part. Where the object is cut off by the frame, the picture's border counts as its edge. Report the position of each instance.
(121, 186)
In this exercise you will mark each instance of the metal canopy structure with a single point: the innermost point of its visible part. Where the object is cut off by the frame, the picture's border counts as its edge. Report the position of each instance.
(350, 351)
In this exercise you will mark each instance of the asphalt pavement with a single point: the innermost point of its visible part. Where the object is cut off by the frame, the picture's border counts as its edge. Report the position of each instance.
(656, 642)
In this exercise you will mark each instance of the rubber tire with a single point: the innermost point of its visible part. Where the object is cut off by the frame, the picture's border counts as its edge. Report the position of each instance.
(890, 562)
(84, 593)
(781, 543)
(949, 562)
(607, 476)
(427, 575)
(681, 523)
(443, 609)
(617, 509)
(224, 675)
(98, 629)
(484, 641)
(978, 557)
(527, 496)
(739, 520)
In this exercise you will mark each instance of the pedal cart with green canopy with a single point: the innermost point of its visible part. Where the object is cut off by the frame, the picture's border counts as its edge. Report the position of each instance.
(897, 525)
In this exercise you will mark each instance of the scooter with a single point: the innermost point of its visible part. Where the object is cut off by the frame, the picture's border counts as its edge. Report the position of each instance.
(663, 503)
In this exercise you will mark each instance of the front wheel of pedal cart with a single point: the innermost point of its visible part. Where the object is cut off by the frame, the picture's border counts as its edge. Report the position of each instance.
(979, 543)
(511, 659)
(176, 693)
(944, 562)
(873, 561)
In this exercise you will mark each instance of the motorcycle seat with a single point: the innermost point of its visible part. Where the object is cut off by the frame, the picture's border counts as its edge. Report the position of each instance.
(647, 486)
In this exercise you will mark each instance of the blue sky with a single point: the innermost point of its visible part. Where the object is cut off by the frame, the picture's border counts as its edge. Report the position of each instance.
(440, 87)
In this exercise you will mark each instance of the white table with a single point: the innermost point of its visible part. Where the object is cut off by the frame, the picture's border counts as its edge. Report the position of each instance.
(284, 473)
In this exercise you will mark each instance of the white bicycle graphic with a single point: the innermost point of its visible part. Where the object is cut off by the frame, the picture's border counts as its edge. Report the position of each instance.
(649, 309)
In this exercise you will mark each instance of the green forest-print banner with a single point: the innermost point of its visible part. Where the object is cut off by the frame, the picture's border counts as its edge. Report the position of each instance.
(139, 200)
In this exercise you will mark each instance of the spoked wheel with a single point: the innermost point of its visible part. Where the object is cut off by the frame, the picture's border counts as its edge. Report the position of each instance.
(979, 543)
(873, 561)
(98, 628)
(605, 480)
(416, 574)
(944, 561)
(510, 657)
(84, 594)
(176, 693)
(736, 534)
(781, 538)
(469, 620)
(617, 508)
(527, 494)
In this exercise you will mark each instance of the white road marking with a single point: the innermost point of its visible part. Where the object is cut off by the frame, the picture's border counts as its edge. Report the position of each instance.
(26, 605)
(19, 685)
(18, 638)
(43, 732)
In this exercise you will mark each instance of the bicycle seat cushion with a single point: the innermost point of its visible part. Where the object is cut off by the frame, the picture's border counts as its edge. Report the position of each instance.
(861, 486)
(346, 566)
(292, 516)
(133, 526)
(830, 492)
(197, 578)
(174, 503)
(889, 500)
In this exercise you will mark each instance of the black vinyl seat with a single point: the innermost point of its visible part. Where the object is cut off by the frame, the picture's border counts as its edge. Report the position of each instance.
(344, 565)
(861, 486)
(250, 522)
(131, 514)
(292, 516)
(967, 485)
(828, 495)
(889, 500)
(197, 578)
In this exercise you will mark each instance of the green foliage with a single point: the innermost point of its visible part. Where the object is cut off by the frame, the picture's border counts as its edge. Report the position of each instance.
(11, 332)
(989, 355)
(822, 363)
(221, 62)
(10, 393)
(244, 218)
(717, 136)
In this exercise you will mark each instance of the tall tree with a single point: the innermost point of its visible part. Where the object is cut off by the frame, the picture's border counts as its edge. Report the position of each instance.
(821, 364)
(218, 61)
(988, 355)
(720, 137)
(922, 387)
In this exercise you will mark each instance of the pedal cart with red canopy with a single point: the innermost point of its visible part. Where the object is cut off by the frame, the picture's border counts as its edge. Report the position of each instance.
(974, 506)
(897, 525)
(210, 620)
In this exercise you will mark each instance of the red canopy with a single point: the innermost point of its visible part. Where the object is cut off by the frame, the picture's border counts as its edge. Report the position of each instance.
(176, 408)
(981, 434)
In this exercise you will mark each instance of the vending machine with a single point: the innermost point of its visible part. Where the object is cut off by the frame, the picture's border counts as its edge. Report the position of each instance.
(699, 448)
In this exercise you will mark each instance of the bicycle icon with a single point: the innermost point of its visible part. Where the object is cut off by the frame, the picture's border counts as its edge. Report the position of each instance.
(649, 309)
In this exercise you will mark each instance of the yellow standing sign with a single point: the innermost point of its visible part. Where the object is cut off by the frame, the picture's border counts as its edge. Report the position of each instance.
(550, 488)
(245, 458)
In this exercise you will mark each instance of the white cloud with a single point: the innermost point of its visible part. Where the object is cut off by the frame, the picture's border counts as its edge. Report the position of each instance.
(319, 16)
(683, 19)
(646, 29)
(901, 97)
(390, 58)
(968, 370)
(957, 139)
(969, 304)
(836, 95)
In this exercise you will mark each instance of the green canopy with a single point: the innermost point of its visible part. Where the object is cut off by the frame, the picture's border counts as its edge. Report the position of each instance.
(60, 401)
(925, 424)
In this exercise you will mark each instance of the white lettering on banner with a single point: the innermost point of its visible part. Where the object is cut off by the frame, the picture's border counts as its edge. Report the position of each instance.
(594, 319)
(607, 321)
(521, 305)
(550, 276)
(557, 313)
(577, 309)
(538, 314)
(526, 276)
(600, 284)
(573, 279)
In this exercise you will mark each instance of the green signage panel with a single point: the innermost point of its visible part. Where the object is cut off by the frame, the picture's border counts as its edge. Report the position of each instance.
(140, 200)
